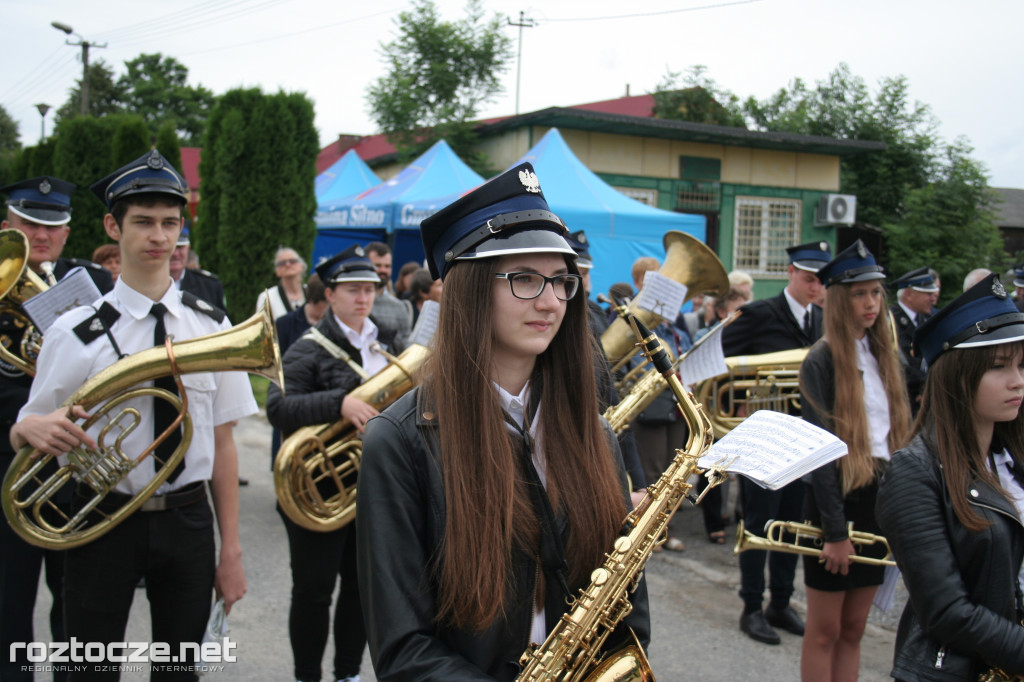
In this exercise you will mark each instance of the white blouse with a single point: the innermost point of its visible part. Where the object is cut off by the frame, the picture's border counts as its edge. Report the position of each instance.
(876, 405)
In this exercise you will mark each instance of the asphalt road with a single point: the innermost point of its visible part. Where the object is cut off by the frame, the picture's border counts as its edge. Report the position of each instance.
(694, 602)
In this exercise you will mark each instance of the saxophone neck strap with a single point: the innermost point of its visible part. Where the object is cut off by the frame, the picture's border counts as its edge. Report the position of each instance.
(336, 351)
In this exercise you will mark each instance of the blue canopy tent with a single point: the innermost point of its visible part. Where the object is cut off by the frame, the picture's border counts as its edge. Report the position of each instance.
(398, 205)
(619, 229)
(345, 178)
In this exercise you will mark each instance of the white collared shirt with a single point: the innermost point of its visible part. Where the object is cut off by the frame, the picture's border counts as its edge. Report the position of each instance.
(911, 315)
(876, 405)
(1012, 487)
(515, 405)
(365, 342)
(214, 398)
(798, 310)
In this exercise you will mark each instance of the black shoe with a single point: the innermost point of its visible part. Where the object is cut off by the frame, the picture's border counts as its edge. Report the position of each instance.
(785, 619)
(757, 628)
(243, 481)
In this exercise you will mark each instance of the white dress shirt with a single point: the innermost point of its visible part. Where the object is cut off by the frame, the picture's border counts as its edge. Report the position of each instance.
(1012, 487)
(876, 405)
(366, 343)
(799, 311)
(214, 398)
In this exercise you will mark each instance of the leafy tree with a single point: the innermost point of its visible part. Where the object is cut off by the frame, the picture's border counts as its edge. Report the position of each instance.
(439, 75)
(168, 144)
(256, 141)
(105, 95)
(695, 97)
(156, 87)
(131, 140)
(10, 145)
(82, 154)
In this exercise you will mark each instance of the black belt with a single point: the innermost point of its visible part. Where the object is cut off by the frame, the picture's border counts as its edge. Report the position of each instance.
(190, 494)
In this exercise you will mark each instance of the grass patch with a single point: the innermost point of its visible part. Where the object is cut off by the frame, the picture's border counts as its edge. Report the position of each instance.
(260, 385)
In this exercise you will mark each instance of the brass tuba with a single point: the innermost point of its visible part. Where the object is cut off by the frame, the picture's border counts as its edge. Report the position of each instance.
(688, 261)
(774, 541)
(572, 651)
(18, 284)
(315, 470)
(754, 382)
(28, 497)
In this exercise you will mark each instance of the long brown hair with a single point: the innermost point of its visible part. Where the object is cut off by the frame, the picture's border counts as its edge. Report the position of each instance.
(488, 512)
(849, 419)
(947, 422)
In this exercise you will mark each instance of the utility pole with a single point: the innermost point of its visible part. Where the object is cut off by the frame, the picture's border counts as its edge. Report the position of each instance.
(85, 45)
(524, 22)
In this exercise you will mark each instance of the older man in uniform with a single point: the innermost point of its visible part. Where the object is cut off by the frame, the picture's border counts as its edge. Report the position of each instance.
(789, 320)
(201, 283)
(915, 292)
(169, 540)
(40, 208)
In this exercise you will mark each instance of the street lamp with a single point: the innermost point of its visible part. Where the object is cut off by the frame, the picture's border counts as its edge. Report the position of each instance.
(43, 108)
(85, 45)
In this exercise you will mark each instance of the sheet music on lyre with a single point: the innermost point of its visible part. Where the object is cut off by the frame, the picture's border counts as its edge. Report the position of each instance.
(774, 449)
(705, 358)
(75, 290)
(661, 295)
(426, 324)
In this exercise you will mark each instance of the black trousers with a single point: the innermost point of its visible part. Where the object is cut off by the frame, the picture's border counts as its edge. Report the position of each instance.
(317, 561)
(174, 550)
(759, 506)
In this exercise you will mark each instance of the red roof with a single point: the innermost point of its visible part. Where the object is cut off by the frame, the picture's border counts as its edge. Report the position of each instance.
(373, 146)
(190, 165)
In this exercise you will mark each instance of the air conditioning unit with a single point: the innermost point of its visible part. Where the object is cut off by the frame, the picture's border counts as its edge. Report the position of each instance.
(836, 209)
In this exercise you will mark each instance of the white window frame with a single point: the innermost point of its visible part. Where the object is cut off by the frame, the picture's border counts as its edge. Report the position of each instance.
(771, 232)
(644, 196)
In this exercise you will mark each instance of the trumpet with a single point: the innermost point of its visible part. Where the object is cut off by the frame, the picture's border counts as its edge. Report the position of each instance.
(18, 284)
(28, 497)
(805, 531)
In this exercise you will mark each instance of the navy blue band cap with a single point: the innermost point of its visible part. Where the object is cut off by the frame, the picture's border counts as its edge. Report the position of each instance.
(151, 173)
(1018, 276)
(854, 264)
(45, 200)
(811, 256)
(918, 280)
(183, 239)
(351, 265)
(581, 245)
(984, 315)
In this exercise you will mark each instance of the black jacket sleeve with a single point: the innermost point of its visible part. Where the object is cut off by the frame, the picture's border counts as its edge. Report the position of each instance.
(817, 381)
(315, 386)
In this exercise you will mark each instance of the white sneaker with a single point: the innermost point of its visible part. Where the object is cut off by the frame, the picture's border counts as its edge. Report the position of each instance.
(353, 678)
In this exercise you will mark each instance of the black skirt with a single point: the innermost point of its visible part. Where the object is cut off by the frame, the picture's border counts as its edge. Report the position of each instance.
(859, 507)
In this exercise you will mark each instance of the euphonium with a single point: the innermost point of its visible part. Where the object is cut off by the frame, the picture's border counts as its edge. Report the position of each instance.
(28, 499)
(17, 284)
(572, 650)
(754, 382)
(774, 541)
(315, 468)
(687, 261)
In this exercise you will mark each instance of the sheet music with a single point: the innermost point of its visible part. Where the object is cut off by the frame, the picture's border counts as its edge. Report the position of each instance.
(886, 593)
(705, 359)
(426, 324)
(661, 295)
(774, 449)
(76, 289)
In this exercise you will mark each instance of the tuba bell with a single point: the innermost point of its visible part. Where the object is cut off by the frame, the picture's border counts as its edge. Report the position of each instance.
(18, 284)
(316, 466)
(687, 261)
(28, 497)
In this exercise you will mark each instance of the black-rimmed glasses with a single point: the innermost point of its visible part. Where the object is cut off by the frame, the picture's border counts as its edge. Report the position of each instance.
(530, 285)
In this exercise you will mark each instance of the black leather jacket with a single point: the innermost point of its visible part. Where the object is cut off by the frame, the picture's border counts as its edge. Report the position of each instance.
(962, 616)
(401, 525)
(315, 381)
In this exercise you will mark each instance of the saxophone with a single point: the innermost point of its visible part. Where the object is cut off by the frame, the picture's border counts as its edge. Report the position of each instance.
(573, 649)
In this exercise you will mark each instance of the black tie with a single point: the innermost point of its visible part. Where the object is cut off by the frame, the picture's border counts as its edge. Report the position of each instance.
(164, 412)
(807, 324)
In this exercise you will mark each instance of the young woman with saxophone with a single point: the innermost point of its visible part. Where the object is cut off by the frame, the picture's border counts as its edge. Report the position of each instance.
(852, 384)
(488, 494)
(320, 371)
(952, 501)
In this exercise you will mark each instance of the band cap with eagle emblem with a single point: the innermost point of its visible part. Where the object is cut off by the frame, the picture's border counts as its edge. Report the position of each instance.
(151, 173)
(581, 245)
(45, 200)
(811, 257)
(854, 264)
(507, 214)
(918, 280)
(351, 265)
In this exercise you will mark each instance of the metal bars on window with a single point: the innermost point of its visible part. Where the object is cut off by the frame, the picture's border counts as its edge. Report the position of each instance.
(763, 230)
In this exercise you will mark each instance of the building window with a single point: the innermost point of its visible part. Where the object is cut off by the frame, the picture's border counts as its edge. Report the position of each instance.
(644, 196)
(764, 229)
(699, 196)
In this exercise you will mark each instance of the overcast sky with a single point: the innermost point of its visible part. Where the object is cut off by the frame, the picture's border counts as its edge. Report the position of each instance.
(962, 59)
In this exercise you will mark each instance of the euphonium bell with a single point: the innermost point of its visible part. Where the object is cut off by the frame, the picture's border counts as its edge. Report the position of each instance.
(28, 498)
(18, 284)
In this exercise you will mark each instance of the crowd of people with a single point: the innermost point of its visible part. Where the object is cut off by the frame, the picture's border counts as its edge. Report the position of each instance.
(496, 476)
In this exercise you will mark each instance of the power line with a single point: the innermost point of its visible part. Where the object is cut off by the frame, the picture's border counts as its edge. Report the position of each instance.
(60, 72)
(187, 24)
(656, 14)
(31, 74)
(176, 17)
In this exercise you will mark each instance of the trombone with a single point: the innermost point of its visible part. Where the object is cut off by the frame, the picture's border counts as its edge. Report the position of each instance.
(806, 532)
